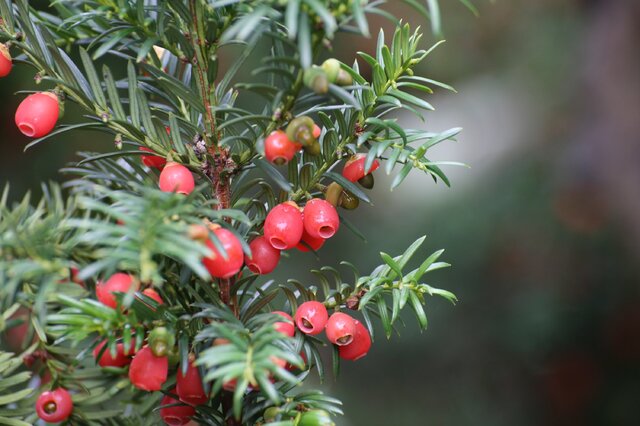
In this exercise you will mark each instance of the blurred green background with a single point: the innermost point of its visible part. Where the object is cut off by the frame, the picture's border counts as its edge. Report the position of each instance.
(543, 230)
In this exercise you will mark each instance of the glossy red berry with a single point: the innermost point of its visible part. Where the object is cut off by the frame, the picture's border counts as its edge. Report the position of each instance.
(117, 283)
(37, 115)
(321, 219)
(54, 406)
(147, 371)
(285, 327)
(5, 61)
(360, 345)
(108, 360)
(354, 167)
(279, 149)
(176, 178)
(311, 317)
(189, 386)
(264, 257)
(176, 415)
(152, 161)
(283, 226)
(308, 241)
(216, 264)
(152, 294)
(340, 329)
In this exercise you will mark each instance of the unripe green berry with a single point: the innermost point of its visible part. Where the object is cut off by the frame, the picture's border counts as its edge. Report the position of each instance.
(161, 341)
(333, 194)
(315, 418)
(300, 130)
(271, 413)
(316, 79)
(332, 68)
(313, 149)
(344, 78)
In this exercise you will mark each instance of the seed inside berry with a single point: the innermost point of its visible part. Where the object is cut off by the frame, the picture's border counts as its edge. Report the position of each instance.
(307, 324)
(345, 340)
(50, 407)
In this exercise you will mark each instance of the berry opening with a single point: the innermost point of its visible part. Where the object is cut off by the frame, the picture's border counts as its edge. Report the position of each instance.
(306, 324)
(27, 129)
(50, 407)
(326, 231)
(254, 268)
(344, 340)
(279, 161)
(278, 243)
(173, 420)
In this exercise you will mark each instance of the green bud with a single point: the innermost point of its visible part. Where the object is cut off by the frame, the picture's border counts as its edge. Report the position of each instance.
(315, 418)
(300, 130)
(313, 149)
(367, 181)
(332, 68)
(271, 413)
(316, 79)
(344, 78)
(349, 201)
(161, 341)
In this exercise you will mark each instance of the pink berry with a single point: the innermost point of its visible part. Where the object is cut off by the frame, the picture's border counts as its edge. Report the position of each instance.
(152, 161)
(311, 317)
(285, 327)
(340, 329)
(283, 226)
(189, 386)
(147, 371)
(354, 167)
(117, 283)
(5, 61)
(360, 345)
(151, 293)
(54, 406)
(279, 149)
(121, 358)
(317, 131)
(321, 219)
(37, 115)
(176, 415)
(314, 243)
(216, 264)
(176, 178)
(264, 257)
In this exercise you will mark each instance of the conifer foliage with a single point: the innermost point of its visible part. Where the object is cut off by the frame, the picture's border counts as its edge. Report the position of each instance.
(138, 293)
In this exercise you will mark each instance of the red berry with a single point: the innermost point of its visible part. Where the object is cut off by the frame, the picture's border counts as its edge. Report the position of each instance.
(151, 293)
(321, 219)
(216, 264)
(74, 276)
(285, 327)
(311, 317)
(360, 345)
(264, 257)
(5, 61)
(176, 415)
(340, 329)
(154, 161)
(283, 226)
(354, 167)
(37, 115)
(317, 131)
(116, 283)
(147, 371)
(314, 243)
(54, 406)
(279, 149)
(108, 360)
(176, 178)
(189, 386)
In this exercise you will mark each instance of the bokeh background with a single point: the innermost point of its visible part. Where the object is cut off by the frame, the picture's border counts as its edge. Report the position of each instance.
(543, 229)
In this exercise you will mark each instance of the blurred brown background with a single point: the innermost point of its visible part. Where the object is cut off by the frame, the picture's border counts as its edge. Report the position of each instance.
(543, 230)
